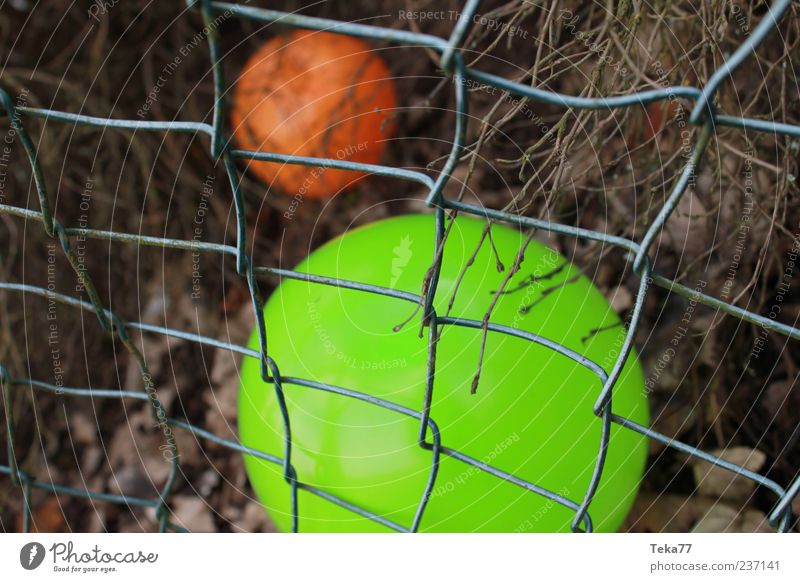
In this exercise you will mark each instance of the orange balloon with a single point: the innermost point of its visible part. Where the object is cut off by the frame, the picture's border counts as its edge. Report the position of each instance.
(316, 94)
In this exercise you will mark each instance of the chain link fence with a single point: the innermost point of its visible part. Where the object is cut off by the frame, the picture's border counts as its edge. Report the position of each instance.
(704, 115)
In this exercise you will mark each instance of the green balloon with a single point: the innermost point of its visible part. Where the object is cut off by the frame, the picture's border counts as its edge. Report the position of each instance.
(530, 417)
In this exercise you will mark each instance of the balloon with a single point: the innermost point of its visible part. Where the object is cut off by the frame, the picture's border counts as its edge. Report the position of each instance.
(531, 415)
(319, 94)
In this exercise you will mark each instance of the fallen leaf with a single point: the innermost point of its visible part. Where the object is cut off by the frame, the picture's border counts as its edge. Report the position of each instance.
(721, 518)
(82, 429)
(672, 416)
(47, 518)
(221, 398)
(716, 482)
(665, 513)
(193, 513)
(253, 518)
(780, 396)
(621, 299)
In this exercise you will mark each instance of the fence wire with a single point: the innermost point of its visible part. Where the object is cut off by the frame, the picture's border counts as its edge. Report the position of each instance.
(704, 115)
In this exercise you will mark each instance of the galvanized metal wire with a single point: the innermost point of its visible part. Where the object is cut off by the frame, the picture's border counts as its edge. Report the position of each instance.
(704, 115)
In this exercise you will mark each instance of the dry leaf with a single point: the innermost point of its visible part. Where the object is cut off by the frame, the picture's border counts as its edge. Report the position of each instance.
(672, 416)
(222, 397)
(780, 396)
(716, 482)
(687, 230)
(193, 513)
(723, 518)
(253, 518)
(665, 513)
(621, 299)
(48, 517)
(82, 429)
